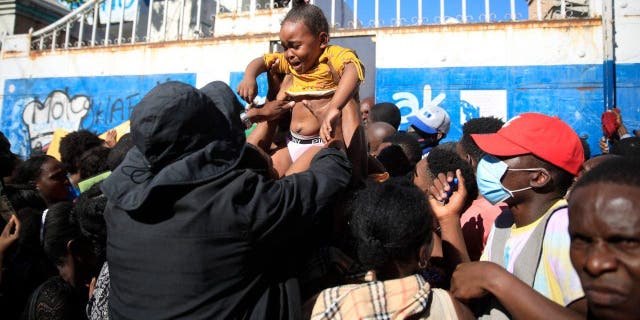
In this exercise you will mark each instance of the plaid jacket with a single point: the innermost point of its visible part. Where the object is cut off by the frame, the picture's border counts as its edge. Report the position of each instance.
(410, 297)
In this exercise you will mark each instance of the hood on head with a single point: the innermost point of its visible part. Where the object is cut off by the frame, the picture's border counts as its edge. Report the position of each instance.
(181, 137)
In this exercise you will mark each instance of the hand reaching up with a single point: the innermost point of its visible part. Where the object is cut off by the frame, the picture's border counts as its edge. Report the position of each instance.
(444, 205)
(9, 234)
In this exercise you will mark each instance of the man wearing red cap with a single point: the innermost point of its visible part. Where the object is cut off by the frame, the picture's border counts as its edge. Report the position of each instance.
(530, 164)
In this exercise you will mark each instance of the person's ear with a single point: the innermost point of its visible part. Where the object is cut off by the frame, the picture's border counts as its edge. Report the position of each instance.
(78, 250)
(540, 178)
(425, 252)
(72, 248)
(440, 135)
(471, 161)
(324, 40)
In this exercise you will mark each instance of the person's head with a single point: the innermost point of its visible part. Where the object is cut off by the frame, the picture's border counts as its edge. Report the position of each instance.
(385, 112)
(93, 162)
(628, 147)
(365, 107)
(66, 247)
(431, 124)
(533, 156)
(442, 160)
(24, 196)
(594, 162)
(394, 160)
(409, 145)
(584, 139)
(467, 148)
(6, 156)
(180, 138)
(376, 133)
(88, 210)
(73, 145)
(119, 151)
(391, 225)
(604, 225)
(47, 175)
(304, 34)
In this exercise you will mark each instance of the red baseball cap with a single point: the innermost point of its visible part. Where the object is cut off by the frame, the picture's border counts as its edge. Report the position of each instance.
(548, 138)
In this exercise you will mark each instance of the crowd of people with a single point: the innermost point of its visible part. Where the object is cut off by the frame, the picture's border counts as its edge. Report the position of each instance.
(322, 209)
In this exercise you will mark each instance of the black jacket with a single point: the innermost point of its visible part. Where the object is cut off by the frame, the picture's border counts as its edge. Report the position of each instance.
(214, 246)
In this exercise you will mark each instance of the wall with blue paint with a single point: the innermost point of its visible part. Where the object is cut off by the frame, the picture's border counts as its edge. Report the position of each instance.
(33, 108)
(572, 92)
(471, 71)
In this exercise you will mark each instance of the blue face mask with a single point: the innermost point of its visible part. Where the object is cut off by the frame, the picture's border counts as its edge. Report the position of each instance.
(488, 176)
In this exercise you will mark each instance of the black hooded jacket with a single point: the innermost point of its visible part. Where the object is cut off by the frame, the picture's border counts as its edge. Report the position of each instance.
(201, 232)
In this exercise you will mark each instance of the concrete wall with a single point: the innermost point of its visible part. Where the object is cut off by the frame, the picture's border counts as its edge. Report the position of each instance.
(502, 69)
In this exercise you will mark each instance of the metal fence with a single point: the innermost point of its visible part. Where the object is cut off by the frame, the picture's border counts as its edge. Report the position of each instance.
(119, 22)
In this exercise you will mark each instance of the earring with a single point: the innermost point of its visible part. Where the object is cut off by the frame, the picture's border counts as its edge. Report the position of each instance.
(422, 264)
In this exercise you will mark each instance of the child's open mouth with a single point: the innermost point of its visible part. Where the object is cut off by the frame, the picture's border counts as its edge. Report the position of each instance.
(296, 65)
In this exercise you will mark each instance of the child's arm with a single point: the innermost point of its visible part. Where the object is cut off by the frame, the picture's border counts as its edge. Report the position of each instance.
(248, 87)
(347, 86)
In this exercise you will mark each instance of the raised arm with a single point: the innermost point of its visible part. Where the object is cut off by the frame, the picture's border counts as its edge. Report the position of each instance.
(476, 279)
(447, 210)
(347, 87)
(248, 87)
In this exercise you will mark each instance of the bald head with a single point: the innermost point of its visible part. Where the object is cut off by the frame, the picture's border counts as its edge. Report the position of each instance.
(365, 107)
(376, 132)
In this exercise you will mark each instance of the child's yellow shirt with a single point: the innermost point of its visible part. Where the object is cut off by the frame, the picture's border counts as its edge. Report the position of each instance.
(321, 80)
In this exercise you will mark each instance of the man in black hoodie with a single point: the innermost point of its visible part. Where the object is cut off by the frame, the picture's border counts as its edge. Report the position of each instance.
(196, 228)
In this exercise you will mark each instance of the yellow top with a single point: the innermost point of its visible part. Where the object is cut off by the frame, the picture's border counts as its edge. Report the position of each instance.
(320, 80)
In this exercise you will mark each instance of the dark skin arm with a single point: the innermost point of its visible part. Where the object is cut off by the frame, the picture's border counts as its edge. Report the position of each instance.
(476, 279)
(271, 110)
(447, 211)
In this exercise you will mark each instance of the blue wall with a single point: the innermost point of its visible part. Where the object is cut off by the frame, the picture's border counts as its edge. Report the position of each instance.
(572, 92)
(575, 93)
(93, 103)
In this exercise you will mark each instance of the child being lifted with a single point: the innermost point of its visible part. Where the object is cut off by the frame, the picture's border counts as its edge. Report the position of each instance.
(322, 79)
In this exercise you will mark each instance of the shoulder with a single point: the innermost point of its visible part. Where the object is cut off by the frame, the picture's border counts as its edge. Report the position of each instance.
(558, 224)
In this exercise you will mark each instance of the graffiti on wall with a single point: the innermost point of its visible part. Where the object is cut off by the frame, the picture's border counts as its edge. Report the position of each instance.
(34, 108)
(503, 92)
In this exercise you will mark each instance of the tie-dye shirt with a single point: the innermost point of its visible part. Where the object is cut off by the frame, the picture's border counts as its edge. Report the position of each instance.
(555, 276)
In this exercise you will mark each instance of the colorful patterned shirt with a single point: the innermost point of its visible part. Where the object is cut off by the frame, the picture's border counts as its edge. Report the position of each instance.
(555, 276)
(409, 297)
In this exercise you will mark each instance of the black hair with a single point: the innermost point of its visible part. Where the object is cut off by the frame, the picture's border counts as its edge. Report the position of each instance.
(29, 171)
(59, 228)
(88, 211)
(24, 196)
(480, 125)
(584, 140)
(627, 147)
(385, 112)
(390, 222)
(30, 222)
(617, 170)
(443, 159)
(73, 145)
(93, 162)
(409, 144)
(449, 146)
(6, 156)
(119, 151)
(395, 161)
(311, 15)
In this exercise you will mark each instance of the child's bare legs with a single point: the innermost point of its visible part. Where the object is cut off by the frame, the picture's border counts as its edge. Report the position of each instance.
(281, 161)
